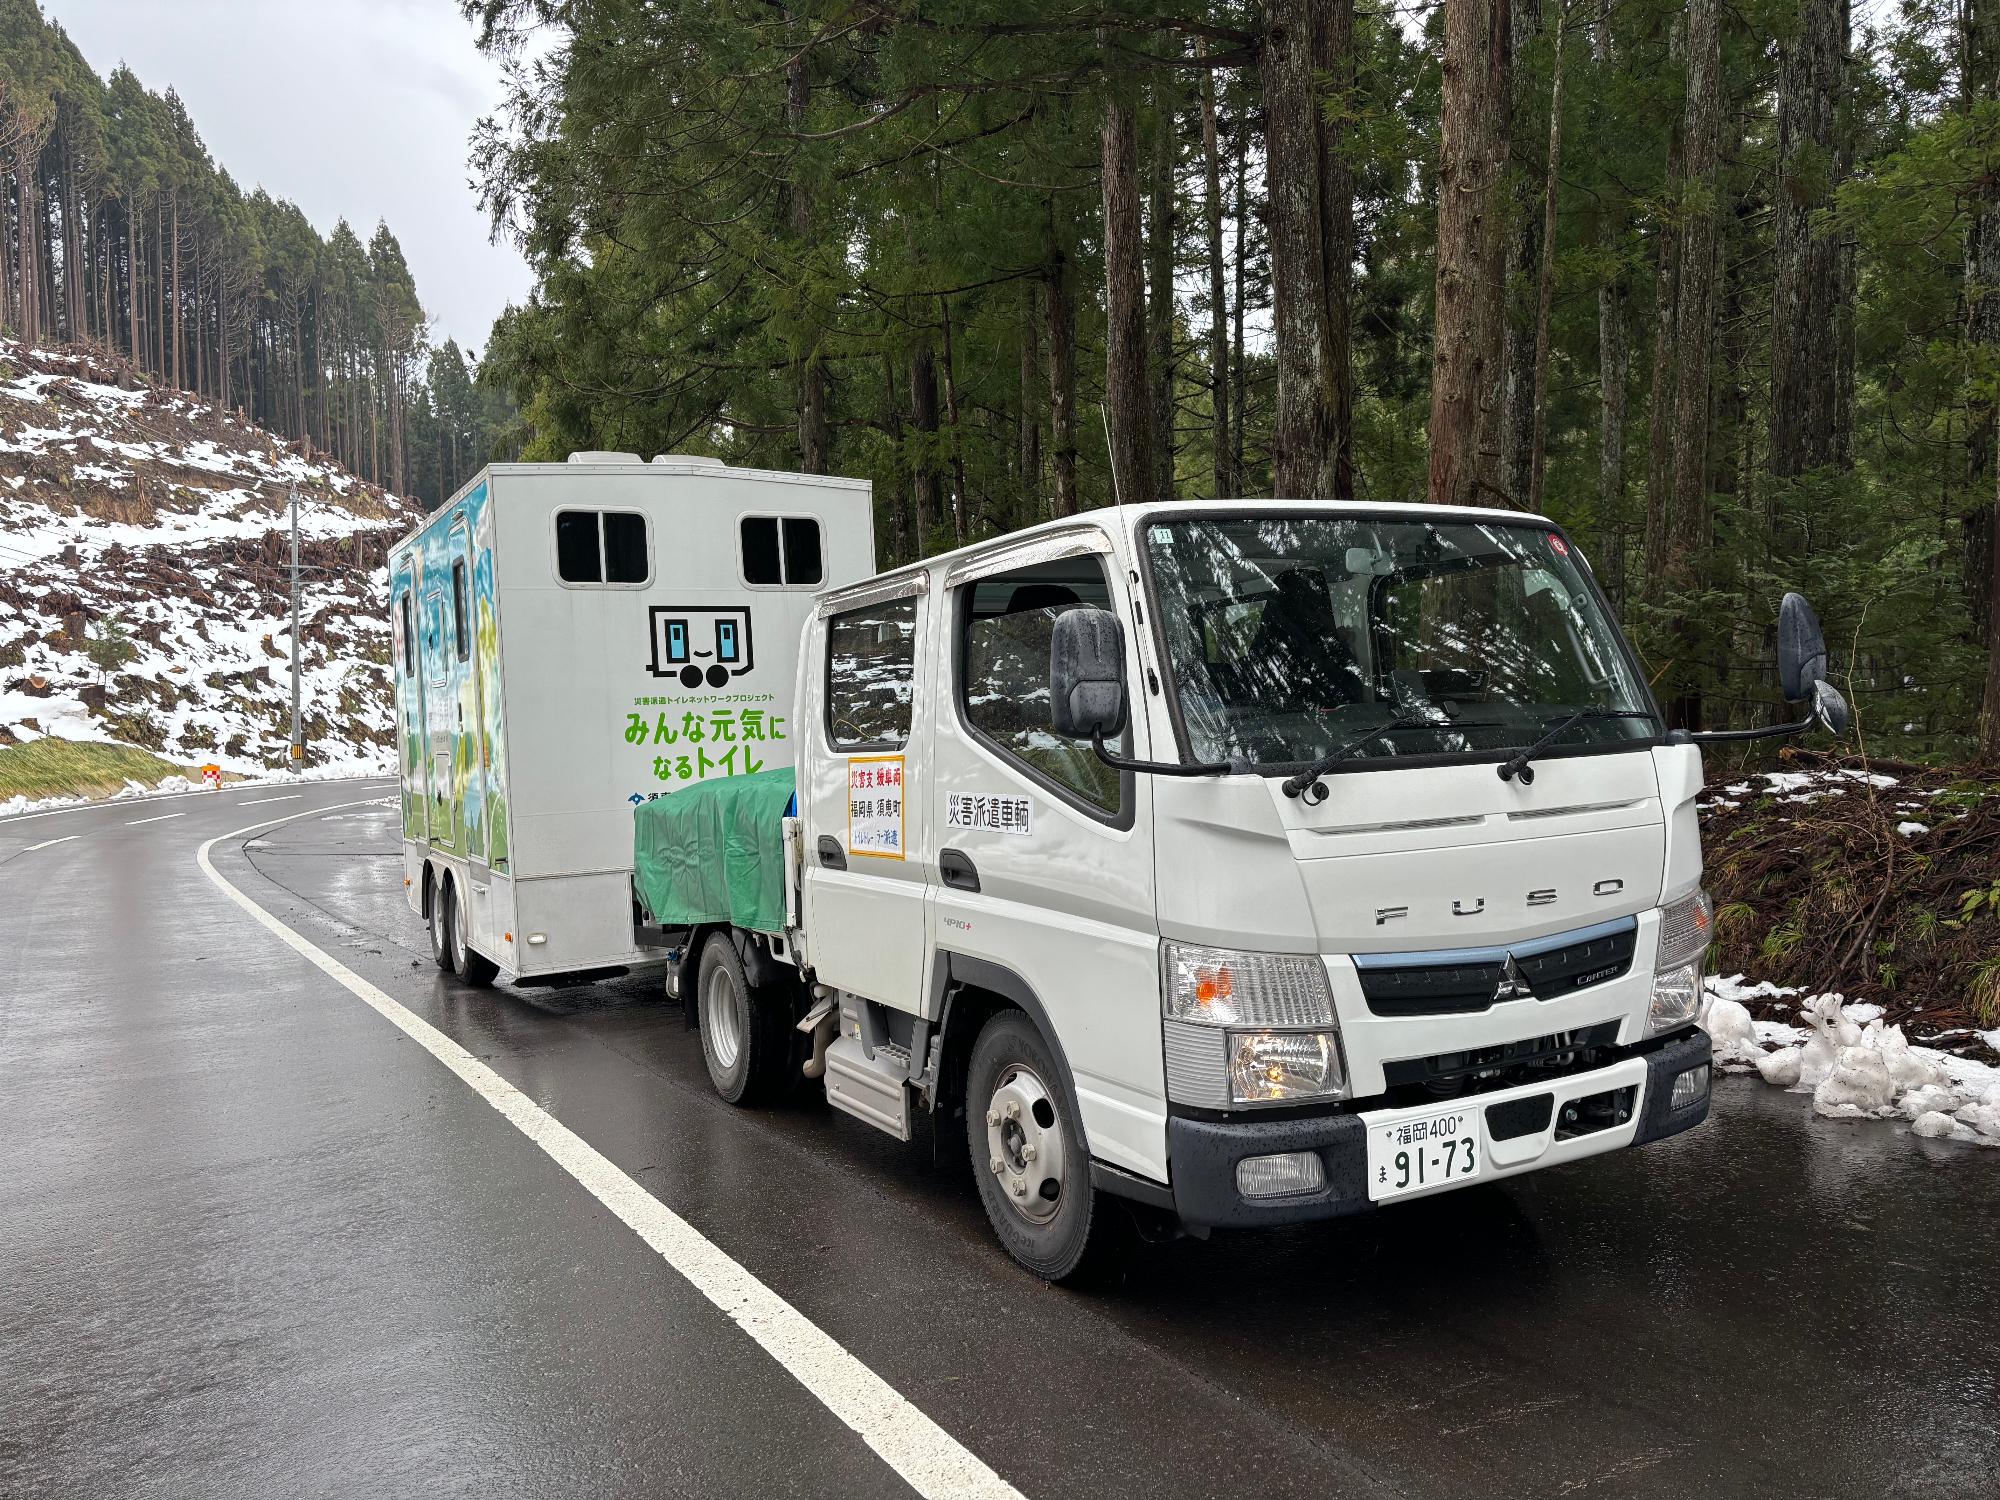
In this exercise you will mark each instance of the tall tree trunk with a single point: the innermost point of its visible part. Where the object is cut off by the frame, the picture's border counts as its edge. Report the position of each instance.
(1310, 215)
(1989, 719)
(1029, 456)
(1160, 227)
(1466, 372)
(1545, 276)
(1062, 386)
(892, 424)
(1128, 401)
(960, 501)
(132, 279)
(1805, 334)
(1694, 322)
(1525, 251)
(174, 243)
(1238, 385)
(799, 210)
(1221, 455)
(923, 467)
(1613, 358)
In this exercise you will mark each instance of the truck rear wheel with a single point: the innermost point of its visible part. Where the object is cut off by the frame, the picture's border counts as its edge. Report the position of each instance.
(1030, 1160)
(441, 924)
(745, 1036)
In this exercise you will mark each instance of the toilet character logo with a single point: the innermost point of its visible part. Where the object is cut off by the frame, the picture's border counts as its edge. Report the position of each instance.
(697, 644)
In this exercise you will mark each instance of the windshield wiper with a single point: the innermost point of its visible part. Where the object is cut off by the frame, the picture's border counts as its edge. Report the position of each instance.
(1308, 780)
(1517, 764)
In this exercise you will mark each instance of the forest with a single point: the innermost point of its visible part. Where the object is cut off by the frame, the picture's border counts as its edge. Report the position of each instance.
(118, 230)
(1716, 287)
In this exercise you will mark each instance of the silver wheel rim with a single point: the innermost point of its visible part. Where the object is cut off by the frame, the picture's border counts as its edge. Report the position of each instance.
(721, 1018)
(462, 934)
(438, 946)
(1025, 1149)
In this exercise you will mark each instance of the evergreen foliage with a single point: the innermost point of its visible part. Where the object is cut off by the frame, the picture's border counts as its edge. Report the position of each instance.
(869, 237)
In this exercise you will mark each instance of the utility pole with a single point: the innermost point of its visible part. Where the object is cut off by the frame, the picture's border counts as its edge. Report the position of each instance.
(298, 738)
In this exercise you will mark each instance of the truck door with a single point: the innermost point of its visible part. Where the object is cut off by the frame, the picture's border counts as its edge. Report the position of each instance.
(1044, 853)
(867, 856)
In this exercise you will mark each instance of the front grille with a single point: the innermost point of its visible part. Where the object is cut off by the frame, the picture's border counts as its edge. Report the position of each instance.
(1482, 1069)
(1466, 980)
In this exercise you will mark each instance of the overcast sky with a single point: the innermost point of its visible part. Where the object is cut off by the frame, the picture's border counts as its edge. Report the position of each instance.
(350, 108)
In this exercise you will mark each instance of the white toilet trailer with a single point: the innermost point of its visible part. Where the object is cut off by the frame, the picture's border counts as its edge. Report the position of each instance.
(572, 639)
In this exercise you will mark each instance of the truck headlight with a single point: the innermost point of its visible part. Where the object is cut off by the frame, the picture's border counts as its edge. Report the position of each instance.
(1268, 1066)
(1676, 998)
(1685, 928)
(1248, 1028)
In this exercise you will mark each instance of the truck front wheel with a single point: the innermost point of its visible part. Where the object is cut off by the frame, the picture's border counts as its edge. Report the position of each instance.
(745, 1036)
(1029, 1157)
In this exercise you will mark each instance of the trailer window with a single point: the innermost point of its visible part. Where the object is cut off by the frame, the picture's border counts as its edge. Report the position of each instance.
(625, 559)
(603, 546)
(461, 621)
(871, 659)
(782, 552)
(406, 643)
(1003, 680)
(578, 557)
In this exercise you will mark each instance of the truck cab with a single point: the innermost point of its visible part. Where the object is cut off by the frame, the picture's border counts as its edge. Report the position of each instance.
(1246, 864)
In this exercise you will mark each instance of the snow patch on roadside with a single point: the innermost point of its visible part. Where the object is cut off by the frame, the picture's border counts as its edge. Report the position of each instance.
(1854, 1067)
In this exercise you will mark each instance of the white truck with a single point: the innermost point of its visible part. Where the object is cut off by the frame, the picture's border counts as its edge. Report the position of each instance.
(1225, 864)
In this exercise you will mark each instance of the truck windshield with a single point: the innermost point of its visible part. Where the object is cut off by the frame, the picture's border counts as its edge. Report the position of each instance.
(1290, 637)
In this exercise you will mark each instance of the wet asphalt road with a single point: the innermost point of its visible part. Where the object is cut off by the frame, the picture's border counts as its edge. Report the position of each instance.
(254, 1241)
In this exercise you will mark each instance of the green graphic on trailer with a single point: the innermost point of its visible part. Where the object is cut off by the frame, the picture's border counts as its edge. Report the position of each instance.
(703, 736)
(460, 772)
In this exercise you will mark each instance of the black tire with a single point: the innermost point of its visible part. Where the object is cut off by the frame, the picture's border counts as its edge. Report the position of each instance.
(746, 1034)
(1071, 1233)
(441, 920)
(474, 967)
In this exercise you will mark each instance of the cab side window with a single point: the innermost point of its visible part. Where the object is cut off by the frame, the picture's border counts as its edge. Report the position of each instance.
(871, 661)
(1005, 623)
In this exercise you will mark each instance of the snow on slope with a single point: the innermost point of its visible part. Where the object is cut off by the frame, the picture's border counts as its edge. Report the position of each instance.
(154, 510)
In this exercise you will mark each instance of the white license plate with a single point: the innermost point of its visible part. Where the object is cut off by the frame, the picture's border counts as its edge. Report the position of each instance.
(1418, 1152)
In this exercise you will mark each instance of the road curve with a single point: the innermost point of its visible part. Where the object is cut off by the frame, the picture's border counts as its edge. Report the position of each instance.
(255, 1239)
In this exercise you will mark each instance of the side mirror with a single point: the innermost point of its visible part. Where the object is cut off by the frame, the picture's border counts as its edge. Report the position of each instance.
(1087, 675)
(1829, 708)
(1801, 649)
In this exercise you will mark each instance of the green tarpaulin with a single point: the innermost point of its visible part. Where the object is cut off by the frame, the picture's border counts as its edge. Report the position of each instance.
(713, 852)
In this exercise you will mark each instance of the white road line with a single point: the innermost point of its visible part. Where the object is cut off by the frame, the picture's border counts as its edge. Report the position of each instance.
(927, 1457)
(160, 819)
(99, 804)
(68, 838)
(262, 800)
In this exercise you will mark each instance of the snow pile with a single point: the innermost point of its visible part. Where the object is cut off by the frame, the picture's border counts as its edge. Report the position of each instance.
(151, 514)
(1854, 1067)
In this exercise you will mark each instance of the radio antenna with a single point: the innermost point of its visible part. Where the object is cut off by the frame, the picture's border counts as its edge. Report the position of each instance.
(1116, 498)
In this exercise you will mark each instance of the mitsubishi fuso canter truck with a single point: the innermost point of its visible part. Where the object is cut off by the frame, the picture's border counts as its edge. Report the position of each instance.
(1211, 864)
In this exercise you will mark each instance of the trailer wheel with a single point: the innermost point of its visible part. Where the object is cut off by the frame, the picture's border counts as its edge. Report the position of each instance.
(745, 1036)
(475, 968)
(1030, 1160)
(440, 924)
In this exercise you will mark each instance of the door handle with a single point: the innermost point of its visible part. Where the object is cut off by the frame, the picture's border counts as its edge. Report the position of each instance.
(957, 870)
(831, 855)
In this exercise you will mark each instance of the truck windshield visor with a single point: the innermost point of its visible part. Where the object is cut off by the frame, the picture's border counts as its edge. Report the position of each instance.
(1290, 637)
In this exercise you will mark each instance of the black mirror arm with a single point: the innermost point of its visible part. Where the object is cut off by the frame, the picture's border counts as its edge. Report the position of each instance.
(1715, 736)
(1118, 762)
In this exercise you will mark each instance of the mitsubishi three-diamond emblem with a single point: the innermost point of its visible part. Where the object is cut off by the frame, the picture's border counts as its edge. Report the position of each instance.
(1512, 986)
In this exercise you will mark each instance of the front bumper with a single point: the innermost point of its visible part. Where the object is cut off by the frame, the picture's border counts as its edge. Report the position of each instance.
(1202, 1154)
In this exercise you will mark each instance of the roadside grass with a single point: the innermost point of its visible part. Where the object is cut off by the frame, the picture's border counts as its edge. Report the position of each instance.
(78, 768)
